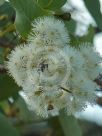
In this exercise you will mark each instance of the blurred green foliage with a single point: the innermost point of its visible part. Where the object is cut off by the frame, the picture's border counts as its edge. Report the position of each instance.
(7, 86)
(6, 129)
(95, 10)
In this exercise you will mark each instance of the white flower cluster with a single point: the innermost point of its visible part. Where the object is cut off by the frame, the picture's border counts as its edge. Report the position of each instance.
(49, 31)
(53, 75)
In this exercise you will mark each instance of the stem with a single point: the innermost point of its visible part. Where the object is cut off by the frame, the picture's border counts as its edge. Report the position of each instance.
(66, 90)
(10, 28)
(69, 124)
(64, 16)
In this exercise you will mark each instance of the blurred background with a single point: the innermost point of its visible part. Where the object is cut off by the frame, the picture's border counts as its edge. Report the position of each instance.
(12, 104)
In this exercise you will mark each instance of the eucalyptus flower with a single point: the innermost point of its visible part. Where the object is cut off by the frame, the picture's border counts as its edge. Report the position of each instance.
(53, 75)
(48, 31)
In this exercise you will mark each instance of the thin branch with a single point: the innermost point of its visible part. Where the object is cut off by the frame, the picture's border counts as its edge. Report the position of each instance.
(66, 90)
(10, 28)
(65, 16)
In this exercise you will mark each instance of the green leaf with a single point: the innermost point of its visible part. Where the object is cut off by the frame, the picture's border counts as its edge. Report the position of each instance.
(69, 125)
(7, 87)
(55, 125)
(1, 55)
(76, 41)
(1, 2)
(57, 4)
(71, 26)
(22, 26)
(26, 12)
(7, 13)
(94, 9)
(6, 129)
(44, 3)
(51, 4)
(24, 113)
(88, 37)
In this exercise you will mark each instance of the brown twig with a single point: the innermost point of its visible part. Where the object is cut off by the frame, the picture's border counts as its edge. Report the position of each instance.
(66, 90)
(65, 16)
(10, 28)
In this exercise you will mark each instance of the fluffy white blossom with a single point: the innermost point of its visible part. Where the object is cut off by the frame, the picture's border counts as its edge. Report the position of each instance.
(92, 60)
(48, 31)
(48, 66)
(54, 77)
(17, 64)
